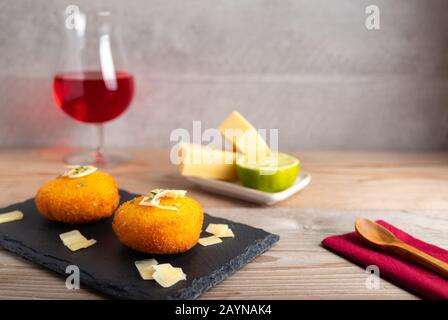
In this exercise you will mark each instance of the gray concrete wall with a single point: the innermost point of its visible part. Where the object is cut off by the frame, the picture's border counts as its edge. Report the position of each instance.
(307, 67)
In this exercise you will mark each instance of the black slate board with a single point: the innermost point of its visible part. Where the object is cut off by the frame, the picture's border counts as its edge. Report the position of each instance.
(108, 266)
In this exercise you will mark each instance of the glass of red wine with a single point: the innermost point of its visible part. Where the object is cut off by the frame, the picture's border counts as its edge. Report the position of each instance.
(92, 84)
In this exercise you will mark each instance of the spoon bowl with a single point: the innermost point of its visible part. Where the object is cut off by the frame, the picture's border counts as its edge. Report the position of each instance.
(374, 233)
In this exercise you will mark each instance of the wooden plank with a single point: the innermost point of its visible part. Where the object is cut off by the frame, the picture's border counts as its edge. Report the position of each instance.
(352, 180)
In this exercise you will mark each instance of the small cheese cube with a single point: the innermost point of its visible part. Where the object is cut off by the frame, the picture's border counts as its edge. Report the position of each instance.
(146, 268)
(11, 216)
(166, 275)
(208, 241)
(206, 162)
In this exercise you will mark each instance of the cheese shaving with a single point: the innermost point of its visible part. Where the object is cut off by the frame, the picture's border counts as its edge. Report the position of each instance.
(228, 234)
(146, 268)
(78, 171)
(208, 241)
(217, 229)
(220, 230)
(71, 237)
(153, 198)
(74, 240)
(11, 216)
(81, 244)
(166, 275)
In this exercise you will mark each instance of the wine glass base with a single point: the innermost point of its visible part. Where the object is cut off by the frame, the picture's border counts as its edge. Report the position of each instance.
(98, 159)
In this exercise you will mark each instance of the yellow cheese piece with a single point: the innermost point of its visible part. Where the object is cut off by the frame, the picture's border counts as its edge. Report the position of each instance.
(166, 275)
(74, 240)
(228, 234)
(78, 171)
(208, 241)
(11, 216)
(81, 244)
(217, 229)
(152, 199)
(252, 144)
(220, 230)
(169, 193)
(243, 136)
(71, 237)
(206, 162)
(146, 268)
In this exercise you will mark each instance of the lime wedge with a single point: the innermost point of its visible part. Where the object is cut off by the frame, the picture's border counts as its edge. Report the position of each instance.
(270, 174)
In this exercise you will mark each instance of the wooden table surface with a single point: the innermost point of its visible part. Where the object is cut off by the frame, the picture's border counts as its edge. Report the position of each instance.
(409, 189)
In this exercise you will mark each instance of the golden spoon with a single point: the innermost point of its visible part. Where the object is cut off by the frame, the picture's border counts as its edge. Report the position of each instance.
(381, 238)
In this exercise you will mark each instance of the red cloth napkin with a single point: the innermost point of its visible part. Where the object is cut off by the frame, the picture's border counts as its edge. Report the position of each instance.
(405, 274)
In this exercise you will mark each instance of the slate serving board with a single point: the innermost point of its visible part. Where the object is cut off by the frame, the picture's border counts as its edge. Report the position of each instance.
(108, 266)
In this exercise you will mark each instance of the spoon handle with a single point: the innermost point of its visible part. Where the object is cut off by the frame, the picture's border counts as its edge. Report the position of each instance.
(422, 258)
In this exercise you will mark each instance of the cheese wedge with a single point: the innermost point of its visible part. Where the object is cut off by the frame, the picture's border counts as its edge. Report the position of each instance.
(146, 268)
(166, 275)
(74, 240)
(208, 241)
(11, 216)
(243, 136)
(206, 162)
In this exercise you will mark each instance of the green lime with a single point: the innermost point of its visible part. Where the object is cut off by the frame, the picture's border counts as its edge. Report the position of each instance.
(271, 174)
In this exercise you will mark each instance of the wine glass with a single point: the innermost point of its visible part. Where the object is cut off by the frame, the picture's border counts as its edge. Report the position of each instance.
(92, 84)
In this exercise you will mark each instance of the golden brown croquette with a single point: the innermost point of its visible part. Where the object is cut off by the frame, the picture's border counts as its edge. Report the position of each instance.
(154, 230)
(78, 200)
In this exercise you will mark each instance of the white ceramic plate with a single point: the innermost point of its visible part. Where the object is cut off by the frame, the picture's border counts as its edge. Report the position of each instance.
(236, 190)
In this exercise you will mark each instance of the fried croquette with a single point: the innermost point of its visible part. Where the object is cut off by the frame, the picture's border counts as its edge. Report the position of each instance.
(150, 229)
(78, 200)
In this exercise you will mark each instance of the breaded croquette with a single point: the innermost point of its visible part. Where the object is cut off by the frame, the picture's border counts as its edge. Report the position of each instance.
(78, 200)
(156, 229)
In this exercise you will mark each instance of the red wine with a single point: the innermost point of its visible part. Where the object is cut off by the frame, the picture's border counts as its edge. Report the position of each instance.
(88, 97)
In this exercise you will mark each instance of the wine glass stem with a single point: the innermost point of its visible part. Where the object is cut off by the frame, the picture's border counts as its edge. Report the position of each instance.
(99, 152)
